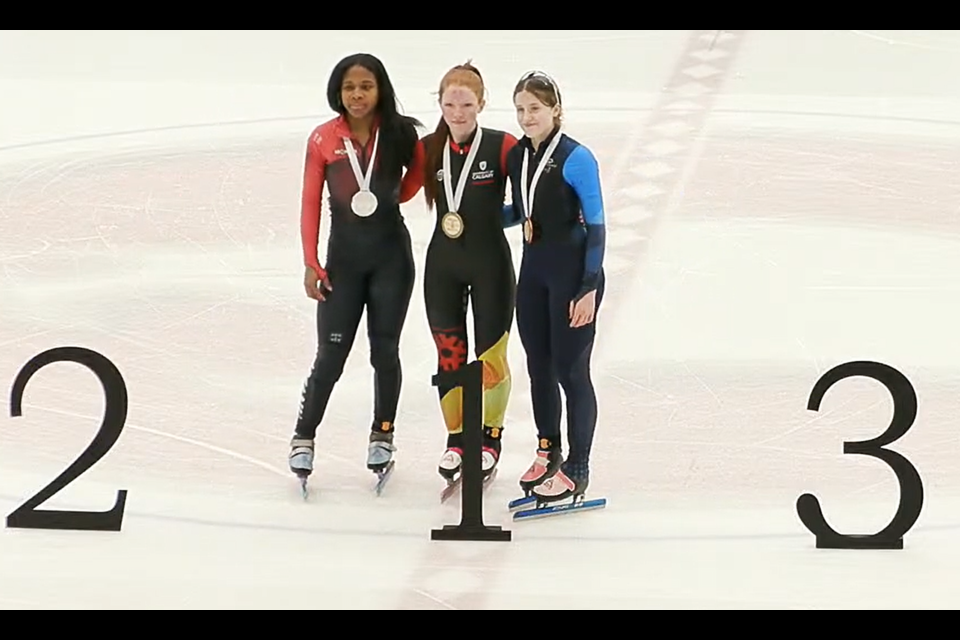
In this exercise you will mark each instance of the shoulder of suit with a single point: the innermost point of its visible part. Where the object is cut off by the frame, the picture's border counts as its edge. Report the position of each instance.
(325, 130)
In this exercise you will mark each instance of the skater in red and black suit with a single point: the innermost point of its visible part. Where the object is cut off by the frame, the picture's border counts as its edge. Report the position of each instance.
(370, 160)
(469, 258)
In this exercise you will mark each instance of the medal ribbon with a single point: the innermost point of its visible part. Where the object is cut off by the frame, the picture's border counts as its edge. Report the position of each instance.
(525, 194)
(363, 181)
(453, 202)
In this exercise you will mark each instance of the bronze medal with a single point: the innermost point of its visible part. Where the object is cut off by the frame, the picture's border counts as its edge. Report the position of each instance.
(528, 191)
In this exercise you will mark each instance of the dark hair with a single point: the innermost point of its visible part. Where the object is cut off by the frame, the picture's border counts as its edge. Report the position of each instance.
(463, 74)
(545, 88)
(400, 130)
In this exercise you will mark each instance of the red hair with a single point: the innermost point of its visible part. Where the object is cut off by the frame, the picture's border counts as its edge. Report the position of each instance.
(463, 75)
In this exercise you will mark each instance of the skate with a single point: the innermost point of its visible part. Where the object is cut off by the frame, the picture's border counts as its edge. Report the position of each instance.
(561, 494)
(301, 461)
(451, 463)
(546, 464)
(450, 468)
(380, 457)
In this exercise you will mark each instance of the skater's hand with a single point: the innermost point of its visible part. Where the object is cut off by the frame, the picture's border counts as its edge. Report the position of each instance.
(317, 285)
(582, 311)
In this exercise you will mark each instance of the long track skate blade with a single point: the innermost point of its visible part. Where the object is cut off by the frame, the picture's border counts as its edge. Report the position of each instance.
(383, 476)
(304, 491)
(560, 509)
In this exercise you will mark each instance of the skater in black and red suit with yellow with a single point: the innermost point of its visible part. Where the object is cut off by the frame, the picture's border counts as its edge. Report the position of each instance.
(469, 258)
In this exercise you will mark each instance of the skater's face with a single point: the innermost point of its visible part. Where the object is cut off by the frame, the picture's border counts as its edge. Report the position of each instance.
(359, 92)
(461, 105)
(534, 115)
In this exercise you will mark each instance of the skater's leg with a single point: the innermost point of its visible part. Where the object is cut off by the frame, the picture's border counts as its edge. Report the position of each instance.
(493, 296)
(388, 300)
(533, 325)
(337, 320)
(573, 355)
(445, 298)
(573, 351)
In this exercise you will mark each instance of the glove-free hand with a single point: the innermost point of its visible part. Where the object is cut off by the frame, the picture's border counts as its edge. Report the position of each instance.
(317, 284)
(582, 311)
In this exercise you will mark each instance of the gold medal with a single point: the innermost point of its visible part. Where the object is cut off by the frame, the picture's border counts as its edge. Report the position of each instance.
(452, 225)
(528, 230)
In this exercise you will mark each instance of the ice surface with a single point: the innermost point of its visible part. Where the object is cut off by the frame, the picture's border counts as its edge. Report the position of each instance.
(778, 203)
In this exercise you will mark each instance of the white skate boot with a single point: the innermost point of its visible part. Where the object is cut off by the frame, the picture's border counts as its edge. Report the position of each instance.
(301, 460)
(380, 456)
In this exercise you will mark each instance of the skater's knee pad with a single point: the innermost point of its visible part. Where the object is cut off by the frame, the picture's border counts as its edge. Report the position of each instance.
(496, 367)
(540, 369)
(330, 361)
(384, 353)
(451, 349)
(574, 374)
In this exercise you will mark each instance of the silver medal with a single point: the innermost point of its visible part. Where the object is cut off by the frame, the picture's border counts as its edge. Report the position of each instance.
(364, 203)
(452, 223)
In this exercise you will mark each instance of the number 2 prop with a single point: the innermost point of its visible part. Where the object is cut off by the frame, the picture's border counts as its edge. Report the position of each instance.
(28, 516)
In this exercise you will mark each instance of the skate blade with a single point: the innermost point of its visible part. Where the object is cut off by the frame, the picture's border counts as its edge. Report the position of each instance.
(304, 491)
(520, 503)
(383, 476)
(454, 485)
(450, 489)
(550, 510)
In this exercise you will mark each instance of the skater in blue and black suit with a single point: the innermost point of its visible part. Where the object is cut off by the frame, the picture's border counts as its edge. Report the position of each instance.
(558, 200)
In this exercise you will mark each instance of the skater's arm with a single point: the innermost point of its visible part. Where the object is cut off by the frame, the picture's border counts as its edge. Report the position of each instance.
(413, 179)
(509, 142)
(582, 172)
(314, 171)
(512, 216)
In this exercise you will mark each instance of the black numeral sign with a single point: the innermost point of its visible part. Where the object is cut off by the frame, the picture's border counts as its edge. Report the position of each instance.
(29, 516)
(911, 486)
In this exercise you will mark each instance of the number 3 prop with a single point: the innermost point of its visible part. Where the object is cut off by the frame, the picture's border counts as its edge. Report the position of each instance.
(911, 486)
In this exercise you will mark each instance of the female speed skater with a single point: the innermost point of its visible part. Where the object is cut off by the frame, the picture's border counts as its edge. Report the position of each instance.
(469, 258)
(369, 158)
(557, 197)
